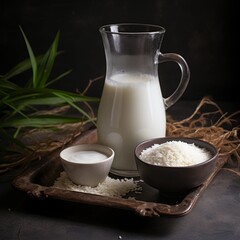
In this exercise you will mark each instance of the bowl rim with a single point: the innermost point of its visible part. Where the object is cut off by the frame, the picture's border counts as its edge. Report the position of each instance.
(213, 151)
(88, 147)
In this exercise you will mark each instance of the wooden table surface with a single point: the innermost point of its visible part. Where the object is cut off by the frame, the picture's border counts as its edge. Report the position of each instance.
(216, 214)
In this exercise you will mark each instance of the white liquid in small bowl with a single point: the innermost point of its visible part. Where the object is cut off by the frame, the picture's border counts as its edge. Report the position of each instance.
(87, 164)
(87, 157)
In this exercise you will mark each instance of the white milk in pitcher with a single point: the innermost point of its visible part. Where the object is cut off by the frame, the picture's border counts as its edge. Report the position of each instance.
(131, 110)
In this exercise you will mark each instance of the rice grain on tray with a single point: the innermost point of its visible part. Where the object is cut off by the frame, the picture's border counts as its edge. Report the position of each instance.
(110, 187)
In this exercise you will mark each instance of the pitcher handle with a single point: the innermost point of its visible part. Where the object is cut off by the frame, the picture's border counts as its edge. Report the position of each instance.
(185, 76)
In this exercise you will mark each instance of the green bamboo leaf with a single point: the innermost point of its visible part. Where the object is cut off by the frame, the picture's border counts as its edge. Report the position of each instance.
(46, 65)
(18, 104)
(17, 132)
(23, 100)
(23, 66)
(7, 85)
(32, 58)
(18, 69)
(58, 77)
(16, 109)
(47, 100)
(53, 96)
(71, 103)
(6, 88)
(39, 121)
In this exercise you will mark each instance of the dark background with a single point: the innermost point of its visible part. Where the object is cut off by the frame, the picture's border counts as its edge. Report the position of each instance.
(202, 31)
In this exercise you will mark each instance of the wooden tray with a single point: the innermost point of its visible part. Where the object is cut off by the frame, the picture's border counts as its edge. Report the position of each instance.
(38, 179)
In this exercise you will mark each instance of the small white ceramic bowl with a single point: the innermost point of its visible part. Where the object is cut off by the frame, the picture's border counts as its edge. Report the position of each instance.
(87, 164)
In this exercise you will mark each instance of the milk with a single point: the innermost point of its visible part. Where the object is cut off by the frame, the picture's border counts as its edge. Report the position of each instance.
(87, 157)
(131, 110)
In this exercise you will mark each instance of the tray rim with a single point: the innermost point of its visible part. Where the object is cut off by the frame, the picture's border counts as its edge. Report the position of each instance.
(24, 183)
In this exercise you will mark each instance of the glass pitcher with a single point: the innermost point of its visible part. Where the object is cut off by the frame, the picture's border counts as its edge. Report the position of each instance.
(132, 108)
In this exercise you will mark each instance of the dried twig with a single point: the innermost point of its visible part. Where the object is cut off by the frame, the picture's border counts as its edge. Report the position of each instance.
(198, 126)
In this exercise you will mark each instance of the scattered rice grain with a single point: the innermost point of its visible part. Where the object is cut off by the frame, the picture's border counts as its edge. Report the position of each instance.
(110, 187)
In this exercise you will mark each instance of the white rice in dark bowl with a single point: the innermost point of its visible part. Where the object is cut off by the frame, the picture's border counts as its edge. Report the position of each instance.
(175, 154)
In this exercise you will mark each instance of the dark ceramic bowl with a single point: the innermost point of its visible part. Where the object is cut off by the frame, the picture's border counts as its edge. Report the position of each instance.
(175, 180)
